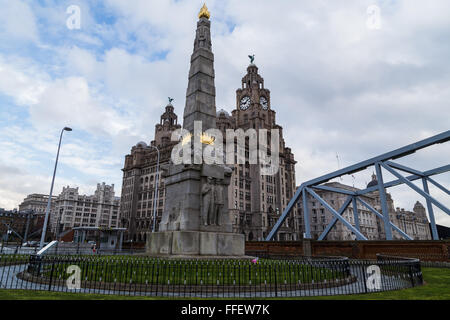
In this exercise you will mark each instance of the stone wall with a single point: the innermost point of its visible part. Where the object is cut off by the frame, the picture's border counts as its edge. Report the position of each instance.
(423, 250)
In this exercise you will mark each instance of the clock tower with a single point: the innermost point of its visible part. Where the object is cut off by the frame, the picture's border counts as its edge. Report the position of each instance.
(257, 200)
(253, 107)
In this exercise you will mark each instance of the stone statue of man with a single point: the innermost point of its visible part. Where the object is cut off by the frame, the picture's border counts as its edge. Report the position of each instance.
(207, 201)
(218, 203)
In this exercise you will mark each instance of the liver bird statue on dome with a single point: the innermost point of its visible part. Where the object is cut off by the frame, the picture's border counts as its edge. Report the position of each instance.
(170, 100)
(252, 58)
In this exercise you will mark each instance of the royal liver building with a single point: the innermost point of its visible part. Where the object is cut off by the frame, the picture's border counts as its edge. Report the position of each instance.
(255, 200)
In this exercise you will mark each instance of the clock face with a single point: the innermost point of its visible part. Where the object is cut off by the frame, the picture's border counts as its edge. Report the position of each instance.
(263, 103)
(245, 103)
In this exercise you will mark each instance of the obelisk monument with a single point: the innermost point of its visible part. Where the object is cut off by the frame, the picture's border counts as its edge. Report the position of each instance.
(196, 220)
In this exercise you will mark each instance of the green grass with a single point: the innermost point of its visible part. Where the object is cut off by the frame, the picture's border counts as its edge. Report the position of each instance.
(437, 287)
(187, 272)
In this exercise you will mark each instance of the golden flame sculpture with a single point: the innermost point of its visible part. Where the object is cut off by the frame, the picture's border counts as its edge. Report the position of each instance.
(204, 13)
(186, 139)
(204, 139)
(207, 139)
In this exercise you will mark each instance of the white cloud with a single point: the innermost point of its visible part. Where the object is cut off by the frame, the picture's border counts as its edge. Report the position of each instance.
(17, 21)
(19, 83)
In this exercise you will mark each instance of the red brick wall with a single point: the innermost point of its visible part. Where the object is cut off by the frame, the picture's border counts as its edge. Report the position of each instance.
(424, 250)
(68, 237)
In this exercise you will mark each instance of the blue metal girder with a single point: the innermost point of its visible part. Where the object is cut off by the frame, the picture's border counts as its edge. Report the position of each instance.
(306, 215)
(417, 189)
(430, 211)
(368, 206)
(384, 207)
(397, 182)
(333, 222)
(404, 168)
(358, 234)
(285, 213)
(355, 213)
(333, 189)
(438, 185)
(398, 153)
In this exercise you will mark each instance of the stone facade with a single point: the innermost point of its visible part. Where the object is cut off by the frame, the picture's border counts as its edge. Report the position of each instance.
(140, 178)
(75, 210)
(256, 200)
(414, 223)
(37, 203)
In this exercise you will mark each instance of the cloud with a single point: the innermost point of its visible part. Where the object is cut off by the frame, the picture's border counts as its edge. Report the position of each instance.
(17, 21)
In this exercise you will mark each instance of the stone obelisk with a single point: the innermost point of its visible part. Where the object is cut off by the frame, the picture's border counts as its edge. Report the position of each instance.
(196, 220)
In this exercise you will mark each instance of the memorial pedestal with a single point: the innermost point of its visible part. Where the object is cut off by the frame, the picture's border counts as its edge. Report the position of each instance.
(194, 243)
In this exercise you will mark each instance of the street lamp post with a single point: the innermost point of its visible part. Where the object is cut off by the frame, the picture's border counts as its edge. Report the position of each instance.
(47, 210)
(156, 190)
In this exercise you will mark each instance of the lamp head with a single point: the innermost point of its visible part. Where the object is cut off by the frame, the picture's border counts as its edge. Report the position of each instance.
(67, 129)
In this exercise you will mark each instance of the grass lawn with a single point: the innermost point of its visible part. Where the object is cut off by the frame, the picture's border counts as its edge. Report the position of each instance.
(437, 287)
(185, 272)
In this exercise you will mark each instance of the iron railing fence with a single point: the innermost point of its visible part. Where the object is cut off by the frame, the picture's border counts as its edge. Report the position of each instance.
(143, 276)
(422, 255)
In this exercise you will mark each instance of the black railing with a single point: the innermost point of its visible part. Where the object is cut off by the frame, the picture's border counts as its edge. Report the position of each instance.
(140, 276)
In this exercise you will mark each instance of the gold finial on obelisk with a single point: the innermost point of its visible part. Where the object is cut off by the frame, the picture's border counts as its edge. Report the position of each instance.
(204, 13)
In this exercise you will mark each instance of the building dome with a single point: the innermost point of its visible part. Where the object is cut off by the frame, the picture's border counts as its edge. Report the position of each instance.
(374, 181)
(418, 205)
(222, 112)
(141, 144)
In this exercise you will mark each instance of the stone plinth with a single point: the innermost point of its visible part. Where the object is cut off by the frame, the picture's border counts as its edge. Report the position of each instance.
(185, 229)
(194, 243)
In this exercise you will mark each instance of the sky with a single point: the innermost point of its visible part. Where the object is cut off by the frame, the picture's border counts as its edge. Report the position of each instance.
(347, 83)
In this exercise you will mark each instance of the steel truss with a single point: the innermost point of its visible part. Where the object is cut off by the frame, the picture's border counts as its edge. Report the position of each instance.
(379, 162)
